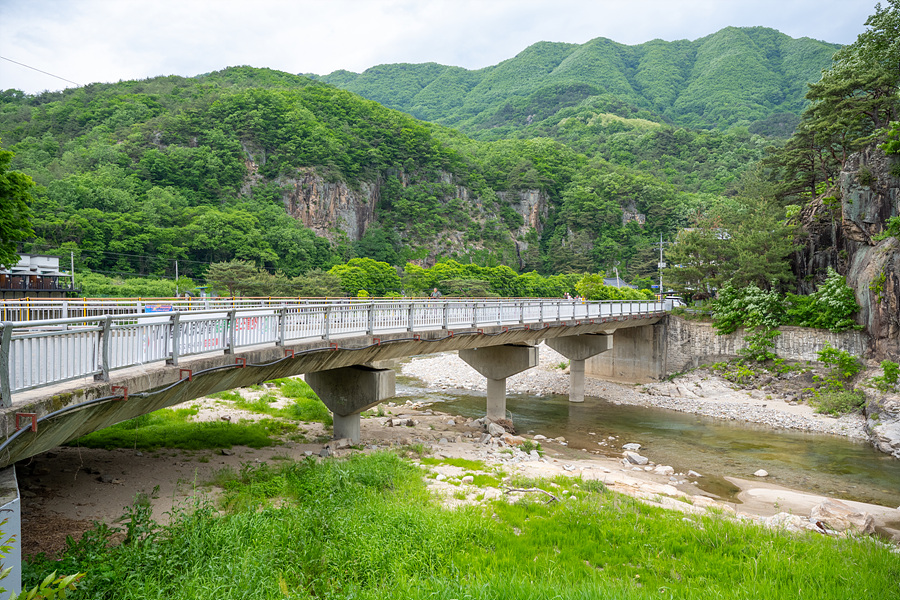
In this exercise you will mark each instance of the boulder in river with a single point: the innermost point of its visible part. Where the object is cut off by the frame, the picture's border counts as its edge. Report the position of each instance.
(762, 473)
(635, 458)
(632, 446)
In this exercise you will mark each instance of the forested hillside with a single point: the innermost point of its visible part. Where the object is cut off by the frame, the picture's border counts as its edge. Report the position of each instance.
(295, 175)
(754, 77)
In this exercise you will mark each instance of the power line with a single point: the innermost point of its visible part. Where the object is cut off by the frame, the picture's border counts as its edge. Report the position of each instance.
(39, 71)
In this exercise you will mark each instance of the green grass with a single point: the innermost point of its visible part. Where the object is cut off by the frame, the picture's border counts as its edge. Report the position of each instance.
(462, 463)
(367, 528)
(307, 407)
(170, 428)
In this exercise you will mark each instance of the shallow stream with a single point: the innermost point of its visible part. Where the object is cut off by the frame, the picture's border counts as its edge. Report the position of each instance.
(817, 463)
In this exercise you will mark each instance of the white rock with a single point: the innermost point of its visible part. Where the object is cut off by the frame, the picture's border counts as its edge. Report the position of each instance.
(664, 470)
(635, 458)
(468, 479)
(838, 516)
(632, 446)
(539, 437)
(762, 473)
(694, 474)
(495, 430)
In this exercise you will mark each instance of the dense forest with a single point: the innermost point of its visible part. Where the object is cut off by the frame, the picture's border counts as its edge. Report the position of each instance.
(751, 76)
(552, 172)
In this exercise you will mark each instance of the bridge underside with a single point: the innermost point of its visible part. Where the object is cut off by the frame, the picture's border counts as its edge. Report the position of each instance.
(160, 386)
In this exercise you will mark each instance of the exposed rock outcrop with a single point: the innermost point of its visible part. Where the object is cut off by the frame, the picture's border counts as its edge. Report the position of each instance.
(337, 210)
(842, 228)
(883, 422)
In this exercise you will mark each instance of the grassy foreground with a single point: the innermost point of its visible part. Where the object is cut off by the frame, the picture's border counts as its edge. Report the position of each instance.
(367, 527)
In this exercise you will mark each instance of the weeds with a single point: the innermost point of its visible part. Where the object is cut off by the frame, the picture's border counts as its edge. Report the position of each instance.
(366, 527)
(169, 428)
(888, 380)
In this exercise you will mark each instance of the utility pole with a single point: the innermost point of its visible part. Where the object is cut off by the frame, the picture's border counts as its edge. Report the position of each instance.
(661, 266)
(176, 277)
(72, 270)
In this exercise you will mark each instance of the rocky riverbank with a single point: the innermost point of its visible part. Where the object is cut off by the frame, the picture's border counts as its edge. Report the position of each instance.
(700, 392)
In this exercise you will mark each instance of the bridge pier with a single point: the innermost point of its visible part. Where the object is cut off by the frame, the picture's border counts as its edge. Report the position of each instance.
(350, 390)
(579, 348)
(496, 363)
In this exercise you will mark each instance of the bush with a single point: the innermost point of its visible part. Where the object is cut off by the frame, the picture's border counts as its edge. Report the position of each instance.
(887, 381)
(748, 307)
(839, 402)
(830, 307)
(843, 364)
(760, 345)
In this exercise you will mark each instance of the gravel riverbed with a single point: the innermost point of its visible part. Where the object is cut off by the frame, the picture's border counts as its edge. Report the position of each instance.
(699, 392)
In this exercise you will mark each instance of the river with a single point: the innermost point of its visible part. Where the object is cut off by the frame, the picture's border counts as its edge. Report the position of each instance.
(822, 464)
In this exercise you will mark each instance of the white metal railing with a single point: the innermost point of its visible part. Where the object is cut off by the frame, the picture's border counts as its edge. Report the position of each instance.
(37, 353)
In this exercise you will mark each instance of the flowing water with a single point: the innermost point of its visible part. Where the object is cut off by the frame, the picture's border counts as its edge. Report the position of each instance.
(822, 464)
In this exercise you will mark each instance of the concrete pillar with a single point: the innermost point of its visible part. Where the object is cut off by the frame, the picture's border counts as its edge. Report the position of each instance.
(11, 511)
(346, 427)
(496, 399)
(350, 390)
(496, 363)
(578, 348)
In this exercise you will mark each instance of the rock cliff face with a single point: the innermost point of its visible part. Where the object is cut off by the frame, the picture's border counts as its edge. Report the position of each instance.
(334, 209)
(330, 208)
(841, 234)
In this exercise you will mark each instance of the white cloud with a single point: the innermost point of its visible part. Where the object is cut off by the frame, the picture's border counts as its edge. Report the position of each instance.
(108, 40)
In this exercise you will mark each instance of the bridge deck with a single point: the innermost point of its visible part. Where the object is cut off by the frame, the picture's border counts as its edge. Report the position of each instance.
(251, 345)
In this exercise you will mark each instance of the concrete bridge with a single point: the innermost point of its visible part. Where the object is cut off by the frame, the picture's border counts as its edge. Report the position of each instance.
(61, 378)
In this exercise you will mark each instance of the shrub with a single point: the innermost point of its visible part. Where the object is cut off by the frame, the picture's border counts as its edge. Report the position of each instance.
(830, 307)
(748, 307)
(839, 402)
(760, 345)
(888, 380)
(866, 176)
(842, 363)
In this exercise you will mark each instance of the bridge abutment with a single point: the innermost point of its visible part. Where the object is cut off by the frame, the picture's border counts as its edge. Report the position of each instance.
(579, 348)
(496, 363)
(639, 356)
(348, 391)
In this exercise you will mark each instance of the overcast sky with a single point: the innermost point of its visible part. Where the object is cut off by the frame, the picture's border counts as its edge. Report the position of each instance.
(87, 41)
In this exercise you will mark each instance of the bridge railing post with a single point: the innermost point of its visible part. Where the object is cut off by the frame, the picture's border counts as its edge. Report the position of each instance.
(282, 317)
(104, 349)
(232, 331)
(5, 366)
(370, 319)
(410, 324)
(176, 338)
(327, 333)
(446, 315)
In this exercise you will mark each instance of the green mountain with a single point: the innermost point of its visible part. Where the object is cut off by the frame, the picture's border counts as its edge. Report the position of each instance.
(295, 175)
(741, 76)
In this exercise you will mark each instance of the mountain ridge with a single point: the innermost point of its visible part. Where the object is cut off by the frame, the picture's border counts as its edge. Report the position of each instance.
(737, 75)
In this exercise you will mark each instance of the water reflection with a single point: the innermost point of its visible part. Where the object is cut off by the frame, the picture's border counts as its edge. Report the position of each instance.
(716, 448)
